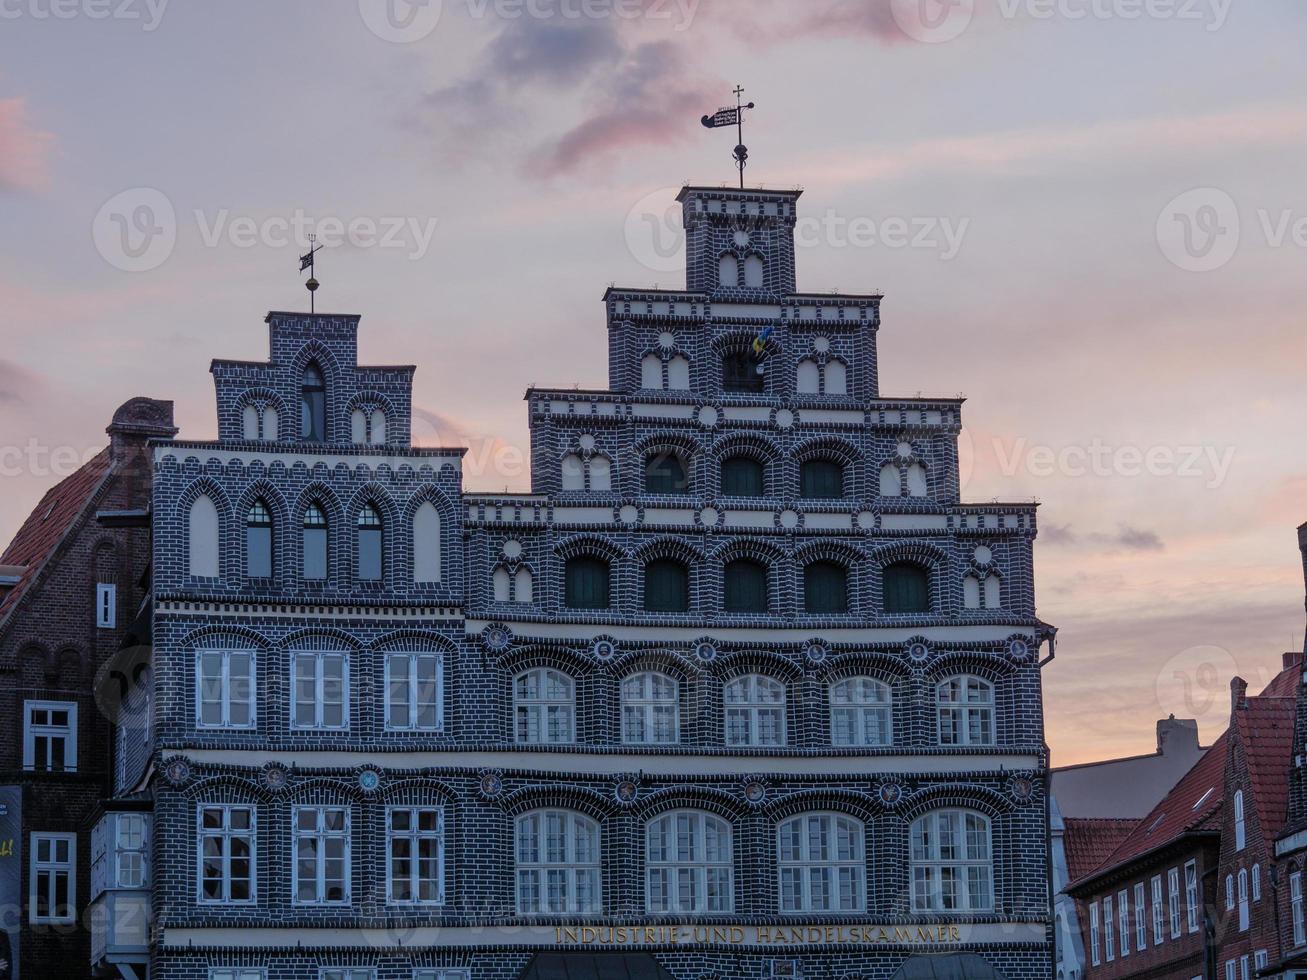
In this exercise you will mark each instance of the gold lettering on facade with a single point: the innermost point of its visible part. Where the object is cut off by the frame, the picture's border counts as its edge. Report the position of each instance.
(728, 935)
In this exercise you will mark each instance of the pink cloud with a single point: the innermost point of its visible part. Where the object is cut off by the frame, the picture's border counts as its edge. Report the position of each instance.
(24, 150)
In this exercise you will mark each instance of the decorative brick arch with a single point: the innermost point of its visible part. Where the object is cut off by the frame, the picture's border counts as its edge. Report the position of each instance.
(848, 802)
(718, 802)
(579, 799)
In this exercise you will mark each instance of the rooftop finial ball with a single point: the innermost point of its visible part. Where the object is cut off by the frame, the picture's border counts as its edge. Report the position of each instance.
(311, 285)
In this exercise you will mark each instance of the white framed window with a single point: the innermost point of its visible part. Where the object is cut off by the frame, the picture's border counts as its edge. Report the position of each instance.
(52, 879)
(1094, 935)
(755, 710)
(689, 863)
(1173, 900)
(860, 712)
(952, 865)
(224, 689)
(106, 605)
(1229, 893)
(130, 842)
(237, 973)
(1243, 899)
(1159, 914)
(1230, 970)
(1109, 938)
(414, 692)
(1123, 920)
(1191, 895)
(821, 864)
(50, 736)
(1257, 882)
(558, 863)
(226, 853)
(346, 973)
(1141, 919)
(415, 855)
(544, 707)
(651, 709)
(320, 843)
(321, 690)
(1260, 960)
(1240, 828)
(459, 974)
(966, 711)
(1295, 908)
(1243, 967)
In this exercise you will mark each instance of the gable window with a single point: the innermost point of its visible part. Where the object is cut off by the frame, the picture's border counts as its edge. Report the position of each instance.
(1240, 830)
(906, 588)
(106, 605)
(321, 690)
(224, 687)
(952, 869)
(1257, 882)
(966, 711)
(413, 692)
(258, 541)
(426, 544)
(202, 538)
(666, 586)
(586, 584)
(50, 736)
(689, 864)
(821, 479)
(740, 374)
(321, 845)
(415, 855)
(52, 880)
(1243, 899)
(821, 865)
(370, 530)
(314, 535)
(544, 707)
(1295, 908)
(745, 587)
(313, 405)
(226, 853)
(742, 476)
(651, 710)
(1191, 895)
(755, 711)
(1229, 893)
(665, 473)
(860, 712)
(825, 587)
(557, 863)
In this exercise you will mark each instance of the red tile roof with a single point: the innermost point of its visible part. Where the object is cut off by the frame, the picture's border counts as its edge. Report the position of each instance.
(1089, 841)
(1266, 736)
(47, 525)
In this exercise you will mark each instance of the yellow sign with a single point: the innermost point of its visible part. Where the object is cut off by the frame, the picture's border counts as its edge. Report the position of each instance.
(757, 935)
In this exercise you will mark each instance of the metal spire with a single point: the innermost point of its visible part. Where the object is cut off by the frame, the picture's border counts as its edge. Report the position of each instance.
(306, 262)
(733, 116)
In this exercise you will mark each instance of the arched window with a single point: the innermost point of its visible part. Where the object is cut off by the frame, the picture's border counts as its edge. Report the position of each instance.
(689, 864)
(426, 544)
(313, 405)
(755, 272)
(370, 530)
(502, 583)
(270, 420)
(651, 710)
(906, 588)
(745, 587)
(993, 592)
(971, 592)
(601, 474)
(966, 711)
(573, 473)
(258, 541)
(250, 423)
(836, 377)
(1257, 882)
(651, 371)
(821, 479)
(808, 377)
(666, 586)
(378, 433)
(358, 427)
(665, 473)
(544, 707)
(586, 585)
(558, 863)
(523, 586)
(742, 476)
(952, 864)
(728, 271)
(678, 374)
(1240, 835)
(314, 539)
(860, 712)
(813, 378)
(825, 588)
(1243, 899)
(202, 537)
(740, 374)
(917, 483)
(821, 864)
(987, 594)
(891, 481)
(755, 711)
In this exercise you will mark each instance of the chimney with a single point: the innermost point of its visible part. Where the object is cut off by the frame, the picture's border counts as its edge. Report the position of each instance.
(136, 421)
(1292, 658)
(1177, 735)
(1238, 693)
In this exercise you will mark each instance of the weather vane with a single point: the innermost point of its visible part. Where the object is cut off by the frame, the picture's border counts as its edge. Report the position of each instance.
(306, 262)
(733, 116)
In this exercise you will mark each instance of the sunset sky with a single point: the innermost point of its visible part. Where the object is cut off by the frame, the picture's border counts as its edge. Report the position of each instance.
(1048, 158)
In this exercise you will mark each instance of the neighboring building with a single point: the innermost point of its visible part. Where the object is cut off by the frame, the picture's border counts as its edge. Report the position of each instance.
(1095, 803)
(741, 689)
(71, 583)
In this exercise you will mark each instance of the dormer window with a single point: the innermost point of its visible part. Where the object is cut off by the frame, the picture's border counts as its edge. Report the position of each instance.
(313, 405)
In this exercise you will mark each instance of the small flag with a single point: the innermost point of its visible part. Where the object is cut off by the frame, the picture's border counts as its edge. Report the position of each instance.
(760, 341)
(726, 116)
(307, 260)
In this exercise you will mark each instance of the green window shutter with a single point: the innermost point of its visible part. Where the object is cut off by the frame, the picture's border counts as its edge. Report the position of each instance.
(665, 473)
(587, 584)
(822, 479)
(825, 588)
(742, 477)
(740, 374)
(906, 588)
(666, 587)
(746, 587)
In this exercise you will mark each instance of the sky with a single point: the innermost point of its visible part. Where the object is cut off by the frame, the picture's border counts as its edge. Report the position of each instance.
(1087, 216)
